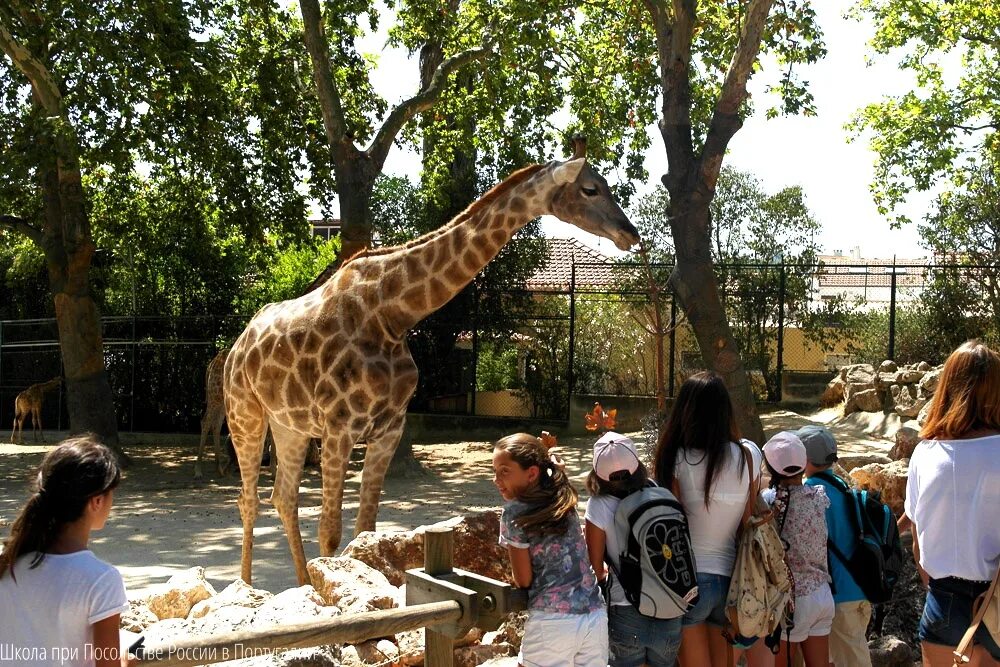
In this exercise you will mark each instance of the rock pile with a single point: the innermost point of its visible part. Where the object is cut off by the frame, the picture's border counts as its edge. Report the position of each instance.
(905, 390)
(369, 575)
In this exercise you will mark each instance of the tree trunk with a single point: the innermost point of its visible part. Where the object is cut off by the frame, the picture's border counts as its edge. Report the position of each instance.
(354, 191)
(68, 251)
(695, 285)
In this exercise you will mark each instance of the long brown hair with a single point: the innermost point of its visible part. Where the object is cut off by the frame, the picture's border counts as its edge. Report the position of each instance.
(69, 476)
(968, 394)
(553, 500)
(701, 420)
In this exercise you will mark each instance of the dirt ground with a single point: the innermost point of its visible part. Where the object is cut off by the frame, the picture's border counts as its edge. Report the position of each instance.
(164, 521)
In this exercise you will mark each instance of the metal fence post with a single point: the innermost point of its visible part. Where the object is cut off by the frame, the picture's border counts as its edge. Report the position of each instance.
(131, 390)
(781, 326)
(571, 384)
(892, 311)
(439, 545)
(475, 346)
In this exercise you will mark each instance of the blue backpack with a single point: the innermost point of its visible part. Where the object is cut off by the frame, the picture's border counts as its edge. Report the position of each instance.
(876, 561)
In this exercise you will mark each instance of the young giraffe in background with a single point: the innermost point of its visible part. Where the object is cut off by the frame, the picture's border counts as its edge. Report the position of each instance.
(29, 403)
(334, 364)
(215, 415)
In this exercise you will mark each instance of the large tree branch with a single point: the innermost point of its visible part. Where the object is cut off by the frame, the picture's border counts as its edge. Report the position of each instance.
(674, 41)
(21, 226)
(726, 118)
(329, 96)
(422, 101)
(42, 84)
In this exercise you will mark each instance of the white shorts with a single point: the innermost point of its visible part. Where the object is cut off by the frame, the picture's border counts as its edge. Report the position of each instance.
(813, 615)
(558, 640)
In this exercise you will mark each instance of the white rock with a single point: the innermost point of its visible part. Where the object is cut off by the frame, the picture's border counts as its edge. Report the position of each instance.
(295, 605)
(350, 585)
(238, 594)
(181, 592)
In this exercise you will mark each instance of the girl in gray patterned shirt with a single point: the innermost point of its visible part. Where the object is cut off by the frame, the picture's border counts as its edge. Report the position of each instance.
(567, 620)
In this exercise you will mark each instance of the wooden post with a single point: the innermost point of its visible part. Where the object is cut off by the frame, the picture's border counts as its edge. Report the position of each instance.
(439, 545)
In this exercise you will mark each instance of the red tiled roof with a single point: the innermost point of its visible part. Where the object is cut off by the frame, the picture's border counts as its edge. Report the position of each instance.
(556, 272)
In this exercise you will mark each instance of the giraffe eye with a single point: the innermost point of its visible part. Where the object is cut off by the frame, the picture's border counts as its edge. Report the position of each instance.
(590, 192)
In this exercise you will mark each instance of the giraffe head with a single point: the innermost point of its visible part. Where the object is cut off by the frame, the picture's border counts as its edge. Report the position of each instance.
(581, 197)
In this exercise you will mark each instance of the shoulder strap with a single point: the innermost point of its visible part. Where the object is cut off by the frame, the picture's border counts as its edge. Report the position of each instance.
(754, 486)
(852, 498)
(983, 603)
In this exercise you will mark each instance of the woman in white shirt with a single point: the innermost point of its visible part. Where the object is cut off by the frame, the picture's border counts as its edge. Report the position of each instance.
(952, 496)
(700, 456)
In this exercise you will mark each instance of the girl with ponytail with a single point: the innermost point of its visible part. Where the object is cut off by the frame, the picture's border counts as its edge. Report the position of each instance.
(58, 602)
(567, 620)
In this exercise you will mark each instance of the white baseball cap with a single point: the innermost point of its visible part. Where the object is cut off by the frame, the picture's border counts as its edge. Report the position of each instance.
(786, 454)
(614, 452)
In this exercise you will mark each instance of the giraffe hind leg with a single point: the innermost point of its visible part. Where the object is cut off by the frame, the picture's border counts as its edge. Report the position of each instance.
(290, 449)
(248, 439)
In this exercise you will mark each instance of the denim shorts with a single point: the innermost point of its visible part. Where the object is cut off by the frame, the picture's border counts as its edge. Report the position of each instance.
(948, 614)
(711, 606)
(634, 639)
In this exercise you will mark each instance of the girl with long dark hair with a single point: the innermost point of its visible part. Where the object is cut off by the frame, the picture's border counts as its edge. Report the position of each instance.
(59, 603)
(700, 456)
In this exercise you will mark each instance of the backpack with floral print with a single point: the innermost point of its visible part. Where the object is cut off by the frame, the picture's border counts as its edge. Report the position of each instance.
(761, 588)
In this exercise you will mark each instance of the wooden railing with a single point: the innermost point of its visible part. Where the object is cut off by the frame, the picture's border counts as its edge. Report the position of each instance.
(445, 601)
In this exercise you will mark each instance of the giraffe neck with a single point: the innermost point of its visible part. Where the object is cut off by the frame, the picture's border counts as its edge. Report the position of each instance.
(432, 272)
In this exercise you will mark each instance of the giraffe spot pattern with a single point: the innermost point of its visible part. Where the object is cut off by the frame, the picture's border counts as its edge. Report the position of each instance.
(439, 292)
(415, 268)
(416, 298)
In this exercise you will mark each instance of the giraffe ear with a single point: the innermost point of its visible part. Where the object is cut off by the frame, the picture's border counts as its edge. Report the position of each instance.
(568, 171)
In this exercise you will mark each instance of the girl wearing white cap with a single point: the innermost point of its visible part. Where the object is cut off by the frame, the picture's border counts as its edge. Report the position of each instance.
(801, 513)
(633, 639)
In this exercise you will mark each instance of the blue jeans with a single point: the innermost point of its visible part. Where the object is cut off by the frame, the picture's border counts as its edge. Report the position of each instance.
(948, 614)
(634, 639)
(711, 606)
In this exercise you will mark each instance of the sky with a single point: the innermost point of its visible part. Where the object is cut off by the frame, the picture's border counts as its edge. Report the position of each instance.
(812, 152)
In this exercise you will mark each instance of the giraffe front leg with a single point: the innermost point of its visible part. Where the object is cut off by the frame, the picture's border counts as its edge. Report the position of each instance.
(381, 447)
(201, 445)
(290, 448)
(335, 456)
(36, 423)
(248, 439)
(222, 459)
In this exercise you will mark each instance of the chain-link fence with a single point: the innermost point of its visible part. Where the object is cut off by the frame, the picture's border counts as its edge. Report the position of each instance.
(603, 334)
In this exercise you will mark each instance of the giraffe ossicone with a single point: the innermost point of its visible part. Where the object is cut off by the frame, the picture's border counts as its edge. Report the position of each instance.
(333, 364)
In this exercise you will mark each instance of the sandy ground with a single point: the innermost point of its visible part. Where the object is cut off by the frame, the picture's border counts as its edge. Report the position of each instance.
(164, 521)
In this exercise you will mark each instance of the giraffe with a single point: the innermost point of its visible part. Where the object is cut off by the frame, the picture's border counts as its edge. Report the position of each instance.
(215, 415)
(333, 363)
(29, 402)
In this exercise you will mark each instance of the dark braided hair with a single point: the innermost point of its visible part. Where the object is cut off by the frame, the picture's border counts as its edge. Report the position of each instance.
(69, 476)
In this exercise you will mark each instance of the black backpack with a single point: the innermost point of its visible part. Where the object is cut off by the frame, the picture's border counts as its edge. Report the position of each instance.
(877, 560)
(656, 567)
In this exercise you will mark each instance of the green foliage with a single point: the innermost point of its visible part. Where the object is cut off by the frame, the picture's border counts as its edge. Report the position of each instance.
(947, 313)
(289, 273)
(497, 367)
(964, 228)
(927, 135)
(24, 283)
